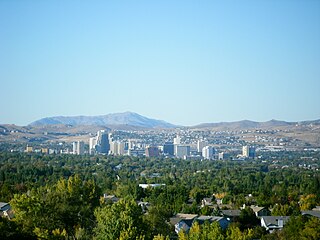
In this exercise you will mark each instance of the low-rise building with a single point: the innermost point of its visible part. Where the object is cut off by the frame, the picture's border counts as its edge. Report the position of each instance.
(231, 214)
(184, 221)
(260, 211)
(272, 223)
(5, 210)
(311, 213)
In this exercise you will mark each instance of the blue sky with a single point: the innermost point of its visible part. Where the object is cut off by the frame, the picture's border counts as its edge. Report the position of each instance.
(186, 62)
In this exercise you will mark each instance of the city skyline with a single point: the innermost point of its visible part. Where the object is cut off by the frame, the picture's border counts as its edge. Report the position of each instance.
(184, 62)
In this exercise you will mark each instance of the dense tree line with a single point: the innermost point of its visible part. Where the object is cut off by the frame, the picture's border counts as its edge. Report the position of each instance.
(59, 196)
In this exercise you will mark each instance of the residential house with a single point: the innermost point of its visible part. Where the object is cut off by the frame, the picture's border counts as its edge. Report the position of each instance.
(272, 223)
(260, 211)
(4, 206)
(313, 213)
(5, 210)
(317, 208)
(182, 221)
(231, 215)
(223, 222)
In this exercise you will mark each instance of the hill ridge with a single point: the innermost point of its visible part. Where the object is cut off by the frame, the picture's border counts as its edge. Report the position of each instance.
(124, 118)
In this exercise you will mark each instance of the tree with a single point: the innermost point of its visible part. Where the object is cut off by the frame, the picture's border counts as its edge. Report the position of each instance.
(308, 202)
(157, 219)
(234, 233)
(160, 237)
(121, 220)
(286, 210)
(206, 210)
(11, 230)
(182, 235)
(311, 230)
(195, 231)
(66, 206)
(197, 194)
(248, 218)
(212, 231)
(293, 228)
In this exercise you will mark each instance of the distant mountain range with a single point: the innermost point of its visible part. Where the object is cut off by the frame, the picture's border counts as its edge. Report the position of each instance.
(135, 120)
(247, 124)
(126, 118)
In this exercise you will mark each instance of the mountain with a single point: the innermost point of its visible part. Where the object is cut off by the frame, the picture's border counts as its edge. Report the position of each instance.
(245, 124)
(126, 118)
(129, 120)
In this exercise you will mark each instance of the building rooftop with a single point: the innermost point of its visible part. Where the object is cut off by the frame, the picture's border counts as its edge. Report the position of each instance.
(313, 213)
(231, 213)
(256, 208)
(209, 218)
(274, 220)
(3, 204)
(181, 216)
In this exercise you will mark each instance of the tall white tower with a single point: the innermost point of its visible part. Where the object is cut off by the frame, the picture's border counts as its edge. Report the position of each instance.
(92, 145)
(177, 140)
(208, 152)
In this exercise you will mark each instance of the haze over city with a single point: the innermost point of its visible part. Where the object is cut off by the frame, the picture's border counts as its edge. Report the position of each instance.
(185, 62)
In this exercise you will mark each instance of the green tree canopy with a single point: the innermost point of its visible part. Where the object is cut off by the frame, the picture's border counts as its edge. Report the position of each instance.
(65, 206)
(121, 220)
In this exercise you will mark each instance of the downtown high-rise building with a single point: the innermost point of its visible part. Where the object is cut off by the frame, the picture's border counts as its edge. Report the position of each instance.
(208, 152)
(201, 144)
(78, 148)
(92, 145)
(182, 151)
(99, 144)
(248, 151)
(152, 151)
(168, 148)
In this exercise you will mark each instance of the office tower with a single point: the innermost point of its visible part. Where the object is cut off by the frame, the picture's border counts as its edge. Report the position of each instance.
(121, 148)
(126, 146)
(252, 152)
(74, 147)
(176, 142)
(131, 144)
(208, 152)
(117, 148)
(92, 145)
(103, 142)
(100, 143)
(168, 148)
(78, 148)
(245, 151)
(182, 151)
(248, 151)
(113, 148)
(110, 135)
(152, 151)
(201, 144)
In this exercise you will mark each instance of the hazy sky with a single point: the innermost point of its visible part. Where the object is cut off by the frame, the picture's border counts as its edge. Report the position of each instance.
(186, 62)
